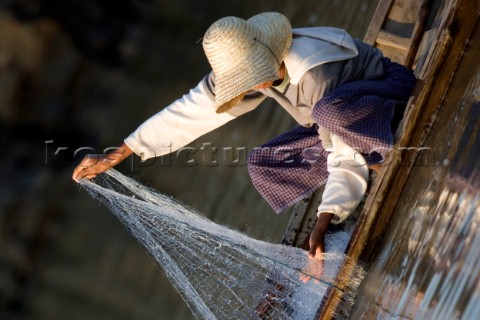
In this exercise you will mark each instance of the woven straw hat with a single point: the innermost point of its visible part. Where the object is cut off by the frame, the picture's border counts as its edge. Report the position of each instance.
(245, 53)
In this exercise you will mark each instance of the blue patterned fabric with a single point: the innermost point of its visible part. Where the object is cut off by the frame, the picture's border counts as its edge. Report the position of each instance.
(293, 165)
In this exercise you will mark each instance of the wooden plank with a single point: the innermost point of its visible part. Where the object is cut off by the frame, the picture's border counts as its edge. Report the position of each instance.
(394, 41)
(381, 12)
(401, 31)
(418, 32)
(302, 220)
(402, 17)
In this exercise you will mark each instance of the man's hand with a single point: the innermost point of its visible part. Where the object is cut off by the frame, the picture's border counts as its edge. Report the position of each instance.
(316, 248)
(317, 237)
(94, 164)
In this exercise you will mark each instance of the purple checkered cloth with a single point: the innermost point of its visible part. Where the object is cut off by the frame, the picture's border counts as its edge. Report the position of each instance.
(293, 165)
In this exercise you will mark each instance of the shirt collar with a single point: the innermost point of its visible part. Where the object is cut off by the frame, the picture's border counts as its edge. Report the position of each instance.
(282, 86)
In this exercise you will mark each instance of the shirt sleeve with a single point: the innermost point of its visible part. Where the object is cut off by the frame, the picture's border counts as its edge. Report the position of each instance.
(180, 123)
(347, 180)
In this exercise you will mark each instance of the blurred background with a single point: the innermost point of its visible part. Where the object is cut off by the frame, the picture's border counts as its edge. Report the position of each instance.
(77, 77)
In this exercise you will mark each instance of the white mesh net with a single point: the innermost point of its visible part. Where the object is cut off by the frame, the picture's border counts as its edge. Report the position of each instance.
(219, 272)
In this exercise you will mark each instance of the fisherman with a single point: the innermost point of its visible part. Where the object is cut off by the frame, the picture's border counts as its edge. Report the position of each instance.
(344, 94)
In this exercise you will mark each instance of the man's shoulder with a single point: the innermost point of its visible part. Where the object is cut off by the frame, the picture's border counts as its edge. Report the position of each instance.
(329, 34)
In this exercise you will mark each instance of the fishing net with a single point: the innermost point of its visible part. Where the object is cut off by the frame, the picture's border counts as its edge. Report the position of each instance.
(219, 272)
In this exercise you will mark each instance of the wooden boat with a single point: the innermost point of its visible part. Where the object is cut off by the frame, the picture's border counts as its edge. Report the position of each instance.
(429, 36)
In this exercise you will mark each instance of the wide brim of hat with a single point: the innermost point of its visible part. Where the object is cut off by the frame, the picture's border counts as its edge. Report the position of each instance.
(232, 88)
(267, 40)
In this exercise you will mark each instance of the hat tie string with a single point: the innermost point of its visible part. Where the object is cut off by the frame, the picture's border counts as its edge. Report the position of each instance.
(271, 51)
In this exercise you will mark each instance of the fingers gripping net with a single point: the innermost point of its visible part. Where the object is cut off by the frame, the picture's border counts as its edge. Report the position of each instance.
(219, 272)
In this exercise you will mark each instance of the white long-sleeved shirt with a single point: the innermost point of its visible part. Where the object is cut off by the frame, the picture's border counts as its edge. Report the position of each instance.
(194, 114)
(165, 132)
(347, 178)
